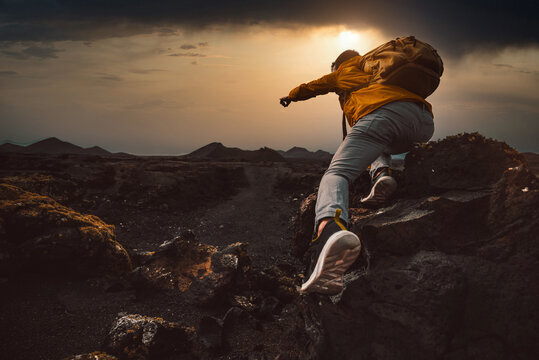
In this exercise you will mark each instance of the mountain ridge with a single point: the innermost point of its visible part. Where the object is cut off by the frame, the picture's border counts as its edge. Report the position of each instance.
(53, 145)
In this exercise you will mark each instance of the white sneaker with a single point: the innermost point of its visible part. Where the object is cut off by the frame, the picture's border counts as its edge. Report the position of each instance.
(384, 186)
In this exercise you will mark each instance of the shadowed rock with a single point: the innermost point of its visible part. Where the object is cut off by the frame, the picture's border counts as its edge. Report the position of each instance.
(175, 265)
(96, 355)
(202, 272)
(143, 337)
(38, 234)
(460, 162)
(228, 270)
(453, 260)
(409, 309)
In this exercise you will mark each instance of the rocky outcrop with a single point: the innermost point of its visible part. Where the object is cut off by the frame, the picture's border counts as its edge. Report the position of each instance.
(461, 162)
(96, 355)
(142, 337)
(203, 273)
(453, 261)
(97, 185)
(38, 234)
(175, 264)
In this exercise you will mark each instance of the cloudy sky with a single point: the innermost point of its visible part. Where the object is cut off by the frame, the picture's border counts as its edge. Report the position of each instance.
(166, 77)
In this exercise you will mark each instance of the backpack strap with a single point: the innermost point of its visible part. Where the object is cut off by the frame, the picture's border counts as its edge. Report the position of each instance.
(344, 133)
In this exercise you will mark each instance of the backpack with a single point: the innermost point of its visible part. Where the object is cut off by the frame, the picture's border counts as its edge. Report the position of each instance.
(405, 62)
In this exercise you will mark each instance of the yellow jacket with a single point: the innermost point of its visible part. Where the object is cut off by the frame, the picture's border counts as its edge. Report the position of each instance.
(356, 96)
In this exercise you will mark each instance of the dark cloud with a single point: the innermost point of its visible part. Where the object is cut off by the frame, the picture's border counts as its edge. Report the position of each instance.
(188, 47)
(33, 51)
(8, 73)
(188, 54)
(108, 77)
(517, 69)
(457, 26)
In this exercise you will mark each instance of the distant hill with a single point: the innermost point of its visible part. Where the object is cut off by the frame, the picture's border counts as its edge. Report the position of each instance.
(53, 145)
(304, 154)
(217, 151)
(7, 147)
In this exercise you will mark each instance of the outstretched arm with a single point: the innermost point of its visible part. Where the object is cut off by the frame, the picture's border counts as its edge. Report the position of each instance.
(320, 86)
(325, 84)
(345, 79)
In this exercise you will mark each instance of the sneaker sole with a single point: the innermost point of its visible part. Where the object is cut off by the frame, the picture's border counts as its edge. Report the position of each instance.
(381, 191)
(339, 253)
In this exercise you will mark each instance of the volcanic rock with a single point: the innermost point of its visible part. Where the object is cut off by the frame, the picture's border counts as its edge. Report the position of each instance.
(142, 337)
(96, 355)
(453, 261)
(303, 226)
(229, 268)
(175, 264)
(202, 272)
(210, 333)
(60, 189)
(38, 234)
(408, 309)
(460, 162)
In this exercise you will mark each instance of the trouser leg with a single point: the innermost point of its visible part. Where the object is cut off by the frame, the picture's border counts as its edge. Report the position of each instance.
(355, 153)
(383, 161)
(392, 128)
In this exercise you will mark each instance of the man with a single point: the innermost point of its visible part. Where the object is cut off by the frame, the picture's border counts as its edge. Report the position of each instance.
(384, 120)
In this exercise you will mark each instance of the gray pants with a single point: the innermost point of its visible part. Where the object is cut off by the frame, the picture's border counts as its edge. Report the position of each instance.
(390, 129)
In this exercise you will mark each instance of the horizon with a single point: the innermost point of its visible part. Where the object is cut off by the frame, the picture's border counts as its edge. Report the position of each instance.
(2, 142)
(175, 77)
(394, 156)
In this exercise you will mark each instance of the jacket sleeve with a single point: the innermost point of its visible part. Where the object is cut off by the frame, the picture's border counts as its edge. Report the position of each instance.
(320, 86)
(346, 79)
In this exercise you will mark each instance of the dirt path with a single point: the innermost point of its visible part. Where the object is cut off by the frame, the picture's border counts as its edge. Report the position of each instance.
(256, 215)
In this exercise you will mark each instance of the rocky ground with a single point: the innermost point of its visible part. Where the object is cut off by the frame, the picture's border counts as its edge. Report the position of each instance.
(105, 257)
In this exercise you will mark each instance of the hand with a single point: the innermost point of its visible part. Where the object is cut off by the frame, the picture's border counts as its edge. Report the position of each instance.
(285, 101)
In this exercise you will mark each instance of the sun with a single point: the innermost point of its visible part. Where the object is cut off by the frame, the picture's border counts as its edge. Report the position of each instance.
(348, 39)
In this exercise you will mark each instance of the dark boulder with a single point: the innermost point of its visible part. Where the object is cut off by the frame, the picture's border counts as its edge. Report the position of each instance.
(303, 226)
(229, 267)
(203, 273)
(409, 309)
(142, 337)
(96, 355)
(453, 261)
(38, 234)
(175, 264)
(460, 162)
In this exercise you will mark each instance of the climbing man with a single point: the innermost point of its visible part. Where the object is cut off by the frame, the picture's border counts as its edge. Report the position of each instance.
(385, 119)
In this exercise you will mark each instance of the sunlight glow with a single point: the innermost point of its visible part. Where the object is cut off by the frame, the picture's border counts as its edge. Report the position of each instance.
(348, 39)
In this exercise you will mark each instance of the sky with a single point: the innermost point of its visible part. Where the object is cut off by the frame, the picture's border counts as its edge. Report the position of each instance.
(167, 77)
